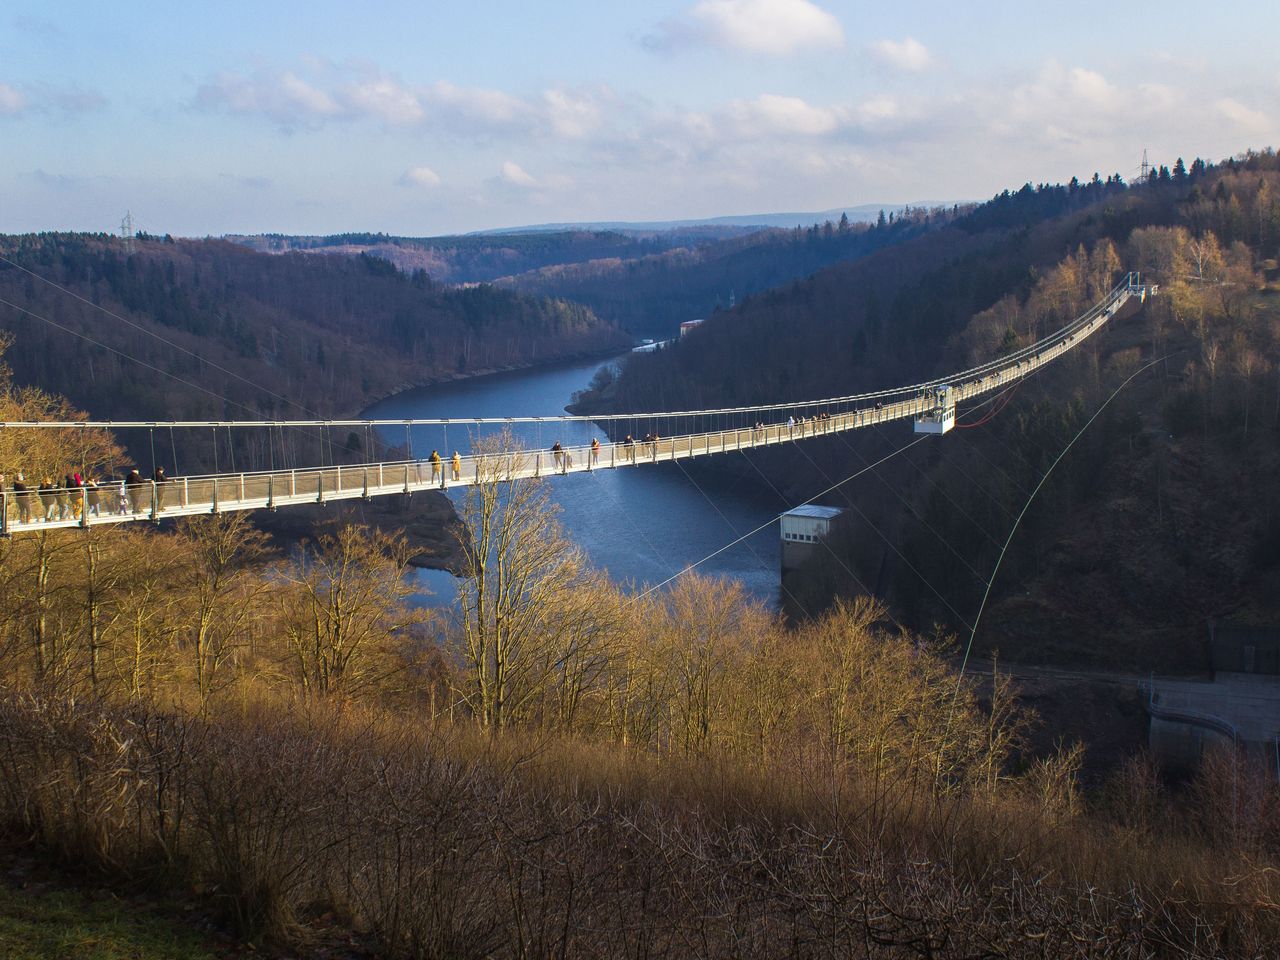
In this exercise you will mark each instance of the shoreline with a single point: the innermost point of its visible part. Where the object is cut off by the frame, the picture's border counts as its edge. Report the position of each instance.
(409, 387)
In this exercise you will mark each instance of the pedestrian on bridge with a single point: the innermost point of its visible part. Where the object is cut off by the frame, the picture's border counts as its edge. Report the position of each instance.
(160, 480)
(595, 451)
(48, 498)
(22, 494)
(557, 453)
(435, 465)
(457, 466)
(64, 497)
(133, 484)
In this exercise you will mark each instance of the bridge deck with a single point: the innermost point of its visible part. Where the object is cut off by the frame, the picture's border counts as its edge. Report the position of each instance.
(192, 496)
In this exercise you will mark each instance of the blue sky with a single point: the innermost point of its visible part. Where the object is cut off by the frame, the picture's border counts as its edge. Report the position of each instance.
(424, 118)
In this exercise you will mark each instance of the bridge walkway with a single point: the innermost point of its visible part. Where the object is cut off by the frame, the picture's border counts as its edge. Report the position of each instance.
(197, 495)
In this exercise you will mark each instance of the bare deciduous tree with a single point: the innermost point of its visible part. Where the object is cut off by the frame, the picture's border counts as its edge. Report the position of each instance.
(346, 610)
(225, 551)
(525, 620)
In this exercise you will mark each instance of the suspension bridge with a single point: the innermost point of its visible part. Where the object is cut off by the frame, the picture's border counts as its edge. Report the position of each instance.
(931, 405)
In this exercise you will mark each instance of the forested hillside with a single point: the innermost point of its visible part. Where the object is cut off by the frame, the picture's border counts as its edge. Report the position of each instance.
(1141, 535)
(647, 282)
(480, 258)
(653, 295)
(279, 334)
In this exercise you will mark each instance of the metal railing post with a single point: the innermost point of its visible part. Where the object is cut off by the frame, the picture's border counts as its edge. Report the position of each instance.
(4, 514)
(366, 483)
(186, 493)
(154, 505)
(84, 507)
(271, 492)
(213, 507)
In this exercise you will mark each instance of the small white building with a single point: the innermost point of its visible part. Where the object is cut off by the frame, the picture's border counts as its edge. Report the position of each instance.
(691, 325)
(803, 530)
(808, 524)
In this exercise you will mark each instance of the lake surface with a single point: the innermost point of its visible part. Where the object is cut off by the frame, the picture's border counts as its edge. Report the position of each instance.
(641, 524)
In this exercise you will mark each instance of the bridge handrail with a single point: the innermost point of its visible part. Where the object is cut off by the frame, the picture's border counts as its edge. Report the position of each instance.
(1129, 286)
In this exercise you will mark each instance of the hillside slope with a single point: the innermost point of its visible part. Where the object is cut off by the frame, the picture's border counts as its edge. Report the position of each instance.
(178, 325)
(1164, 514)
(652, 295)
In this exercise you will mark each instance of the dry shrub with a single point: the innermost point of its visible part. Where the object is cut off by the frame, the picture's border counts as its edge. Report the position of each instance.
(412, 865)
(451, 843)
(262, 796)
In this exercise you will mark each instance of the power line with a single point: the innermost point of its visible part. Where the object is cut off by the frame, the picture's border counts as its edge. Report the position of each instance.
(151, 333)
(771, 520)
(973, 630)
(122, 355)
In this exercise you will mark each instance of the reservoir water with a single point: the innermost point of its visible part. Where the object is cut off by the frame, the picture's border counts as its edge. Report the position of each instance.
(642, 524)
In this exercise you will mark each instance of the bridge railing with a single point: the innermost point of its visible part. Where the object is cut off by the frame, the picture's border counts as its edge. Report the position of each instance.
(116, 501)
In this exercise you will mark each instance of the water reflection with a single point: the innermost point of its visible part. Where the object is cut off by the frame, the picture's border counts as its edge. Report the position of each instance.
(641, 524)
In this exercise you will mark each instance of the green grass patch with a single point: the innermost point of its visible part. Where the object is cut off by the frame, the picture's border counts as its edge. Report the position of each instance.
(48, 924)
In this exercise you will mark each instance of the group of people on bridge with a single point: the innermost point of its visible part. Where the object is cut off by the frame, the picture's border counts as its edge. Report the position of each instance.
(437, 465)
(80, 496)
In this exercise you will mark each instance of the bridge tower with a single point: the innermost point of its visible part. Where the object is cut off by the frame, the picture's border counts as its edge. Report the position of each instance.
(941, 415)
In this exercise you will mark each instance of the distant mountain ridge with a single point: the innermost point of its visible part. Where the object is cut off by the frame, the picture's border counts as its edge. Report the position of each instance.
(860, 213)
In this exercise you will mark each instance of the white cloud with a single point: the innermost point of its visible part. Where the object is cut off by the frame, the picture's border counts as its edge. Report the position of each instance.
(770, 114)
(284, 97)
(420, 177)
(571, 115)
(1158, 96)
(12, 102)
(1077, 103)
(296, 92)
(1093, 87)
(385, 99)
(1246, 119)
(776, 28)
(47, 99)
(513, 173)
(359, 93)
(477, 103)
(320, 92)
(878, 109)
(909, 54)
